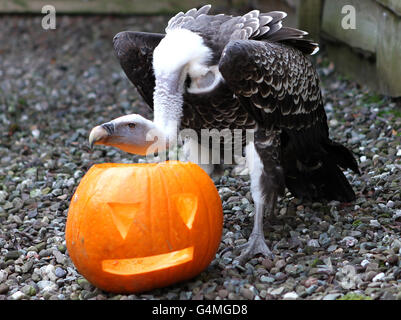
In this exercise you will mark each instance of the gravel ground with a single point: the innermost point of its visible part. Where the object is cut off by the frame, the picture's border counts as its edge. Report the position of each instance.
(56, 85)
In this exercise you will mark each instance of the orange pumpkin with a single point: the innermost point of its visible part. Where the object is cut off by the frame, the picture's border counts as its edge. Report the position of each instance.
(135, 227)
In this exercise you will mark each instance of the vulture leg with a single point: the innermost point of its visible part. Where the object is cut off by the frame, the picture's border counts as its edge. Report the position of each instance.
(256, 243)
(267, 182)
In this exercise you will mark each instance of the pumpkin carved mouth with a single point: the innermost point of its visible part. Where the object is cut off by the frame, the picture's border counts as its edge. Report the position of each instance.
(147, 264)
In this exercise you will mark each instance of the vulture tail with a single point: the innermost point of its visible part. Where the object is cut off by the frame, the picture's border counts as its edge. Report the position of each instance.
(342, 156)
(323, 178)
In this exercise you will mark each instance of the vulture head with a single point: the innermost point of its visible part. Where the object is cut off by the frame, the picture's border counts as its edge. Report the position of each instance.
(131, 133)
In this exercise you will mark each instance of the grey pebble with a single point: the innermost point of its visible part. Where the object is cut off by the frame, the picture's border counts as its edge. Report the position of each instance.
(85, 284)
(332, 248)
(280, 264)
(18, 295)
(370, 275)
(4, 288)
(313, 243)
(388, 296)
(60, 272)
(267, 279)
(60, 258)
(223, 293)
(12, 255)
(29, 290)
(324, 240)
(27, 266)
(46, 286)
(349, 241)
(277, 291)
(311, 289)
(332, 296)
(247, 294)
(268, 264)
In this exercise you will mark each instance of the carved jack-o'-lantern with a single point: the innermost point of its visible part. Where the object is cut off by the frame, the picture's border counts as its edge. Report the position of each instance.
(135, 227)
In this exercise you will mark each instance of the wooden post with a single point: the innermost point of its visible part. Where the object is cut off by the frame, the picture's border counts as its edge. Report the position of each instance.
(393, 5)
(389, 53)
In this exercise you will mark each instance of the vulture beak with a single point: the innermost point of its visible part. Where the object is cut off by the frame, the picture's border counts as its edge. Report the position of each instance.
(100, 133)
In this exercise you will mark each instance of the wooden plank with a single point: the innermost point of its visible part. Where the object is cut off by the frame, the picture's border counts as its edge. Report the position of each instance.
(389, 54)
(365, 35)
(111, 7)
(287, 6)
(147, 6)
(348, 62)
(394, 5)
(309, 17)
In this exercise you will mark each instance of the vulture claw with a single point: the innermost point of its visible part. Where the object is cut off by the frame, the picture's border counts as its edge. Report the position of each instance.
(255, 245)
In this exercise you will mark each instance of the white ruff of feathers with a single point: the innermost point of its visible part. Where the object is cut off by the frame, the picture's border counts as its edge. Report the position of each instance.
(180, 53)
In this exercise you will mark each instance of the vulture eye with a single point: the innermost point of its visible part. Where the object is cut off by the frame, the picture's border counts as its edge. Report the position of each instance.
(131, 125)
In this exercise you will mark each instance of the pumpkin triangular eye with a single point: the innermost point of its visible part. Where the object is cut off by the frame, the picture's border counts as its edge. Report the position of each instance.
(187, 205)
(123, 216)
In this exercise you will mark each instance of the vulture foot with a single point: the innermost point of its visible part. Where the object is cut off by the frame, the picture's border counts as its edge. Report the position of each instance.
(255, 245)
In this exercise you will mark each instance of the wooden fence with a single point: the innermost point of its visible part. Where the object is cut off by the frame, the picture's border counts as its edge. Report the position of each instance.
(371, 52)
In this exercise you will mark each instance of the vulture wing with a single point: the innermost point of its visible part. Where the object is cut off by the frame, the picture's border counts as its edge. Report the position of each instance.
(276, 82)
(279, 86)
(135, 52)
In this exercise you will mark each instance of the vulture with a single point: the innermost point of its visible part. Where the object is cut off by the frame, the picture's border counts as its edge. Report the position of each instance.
(232, 73)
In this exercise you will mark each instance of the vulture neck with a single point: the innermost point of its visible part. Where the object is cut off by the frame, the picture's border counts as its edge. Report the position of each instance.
(179, 54)
(168, 104)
